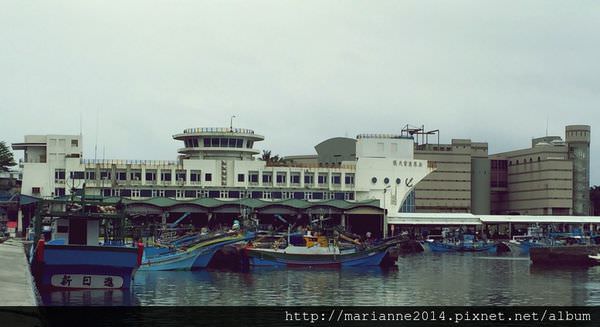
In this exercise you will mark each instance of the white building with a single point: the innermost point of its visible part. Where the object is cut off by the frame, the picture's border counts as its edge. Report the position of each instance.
(220, 163)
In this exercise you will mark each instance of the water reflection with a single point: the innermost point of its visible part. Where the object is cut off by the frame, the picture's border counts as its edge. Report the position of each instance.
(422, 279)
(89, 297)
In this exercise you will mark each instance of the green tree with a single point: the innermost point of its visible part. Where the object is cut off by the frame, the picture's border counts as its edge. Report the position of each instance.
(6, 157)
(595, 199)
(266, 156)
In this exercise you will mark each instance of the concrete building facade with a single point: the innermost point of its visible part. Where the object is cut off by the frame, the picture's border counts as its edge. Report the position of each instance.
(461, 181)
(550, 178)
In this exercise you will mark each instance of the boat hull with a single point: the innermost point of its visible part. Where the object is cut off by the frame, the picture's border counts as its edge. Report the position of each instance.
(197, 256)
(450, 247)
(268, 257)
(170, 261)
(85, 267)
(523, 248)
(208, 250)
(569, 256)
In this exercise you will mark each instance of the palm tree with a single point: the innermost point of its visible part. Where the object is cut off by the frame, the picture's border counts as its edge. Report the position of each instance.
(266, 156)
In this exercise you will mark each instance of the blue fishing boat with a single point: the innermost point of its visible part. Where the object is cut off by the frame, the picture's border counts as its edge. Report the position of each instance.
(317, 252)
(75, 257)
(467, 243)
(194, 256)
(523, 243)
(536, 239)
(208, 248)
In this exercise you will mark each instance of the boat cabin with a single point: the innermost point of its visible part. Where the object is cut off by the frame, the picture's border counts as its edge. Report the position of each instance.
(81, 223)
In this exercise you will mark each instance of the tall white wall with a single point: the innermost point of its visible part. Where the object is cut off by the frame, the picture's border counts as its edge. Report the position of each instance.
(402, 176)
(399, 148)
(37, 175)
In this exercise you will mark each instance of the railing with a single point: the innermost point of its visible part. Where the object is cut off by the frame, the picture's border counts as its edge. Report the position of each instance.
(305, 165)
(129, 162)
(382, 136)
(217, 130)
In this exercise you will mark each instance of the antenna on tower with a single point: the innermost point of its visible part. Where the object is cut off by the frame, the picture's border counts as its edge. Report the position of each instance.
(96, 145)
(231, 123)
(547, 125)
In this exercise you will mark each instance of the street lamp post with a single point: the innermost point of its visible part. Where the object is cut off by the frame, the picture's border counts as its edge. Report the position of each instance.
(385, 221)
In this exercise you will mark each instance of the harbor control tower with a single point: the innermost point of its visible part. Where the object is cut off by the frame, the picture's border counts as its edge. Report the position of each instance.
(218, 143)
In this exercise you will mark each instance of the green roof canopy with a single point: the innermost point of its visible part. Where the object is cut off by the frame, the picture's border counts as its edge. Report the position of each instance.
(250, 203)
(162, 202)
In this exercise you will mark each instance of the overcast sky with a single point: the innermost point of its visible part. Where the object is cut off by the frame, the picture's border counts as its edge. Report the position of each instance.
(297, 72)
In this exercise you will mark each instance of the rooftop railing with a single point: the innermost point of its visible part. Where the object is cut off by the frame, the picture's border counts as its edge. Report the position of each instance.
(382, 136)
(306, 165)
(129, 162)
(217, 130)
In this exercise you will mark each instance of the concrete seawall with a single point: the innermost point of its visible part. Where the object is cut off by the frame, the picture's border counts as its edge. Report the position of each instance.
(18, 295)
(17, 287)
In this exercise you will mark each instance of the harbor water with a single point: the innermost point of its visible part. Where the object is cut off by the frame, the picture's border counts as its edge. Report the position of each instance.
(419, 279)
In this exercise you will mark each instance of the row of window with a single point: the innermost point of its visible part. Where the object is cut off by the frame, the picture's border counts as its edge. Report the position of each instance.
(217, 142)
(408, 181)
(510, 163)
(196, 176)
(224, 194)
(281, 178)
